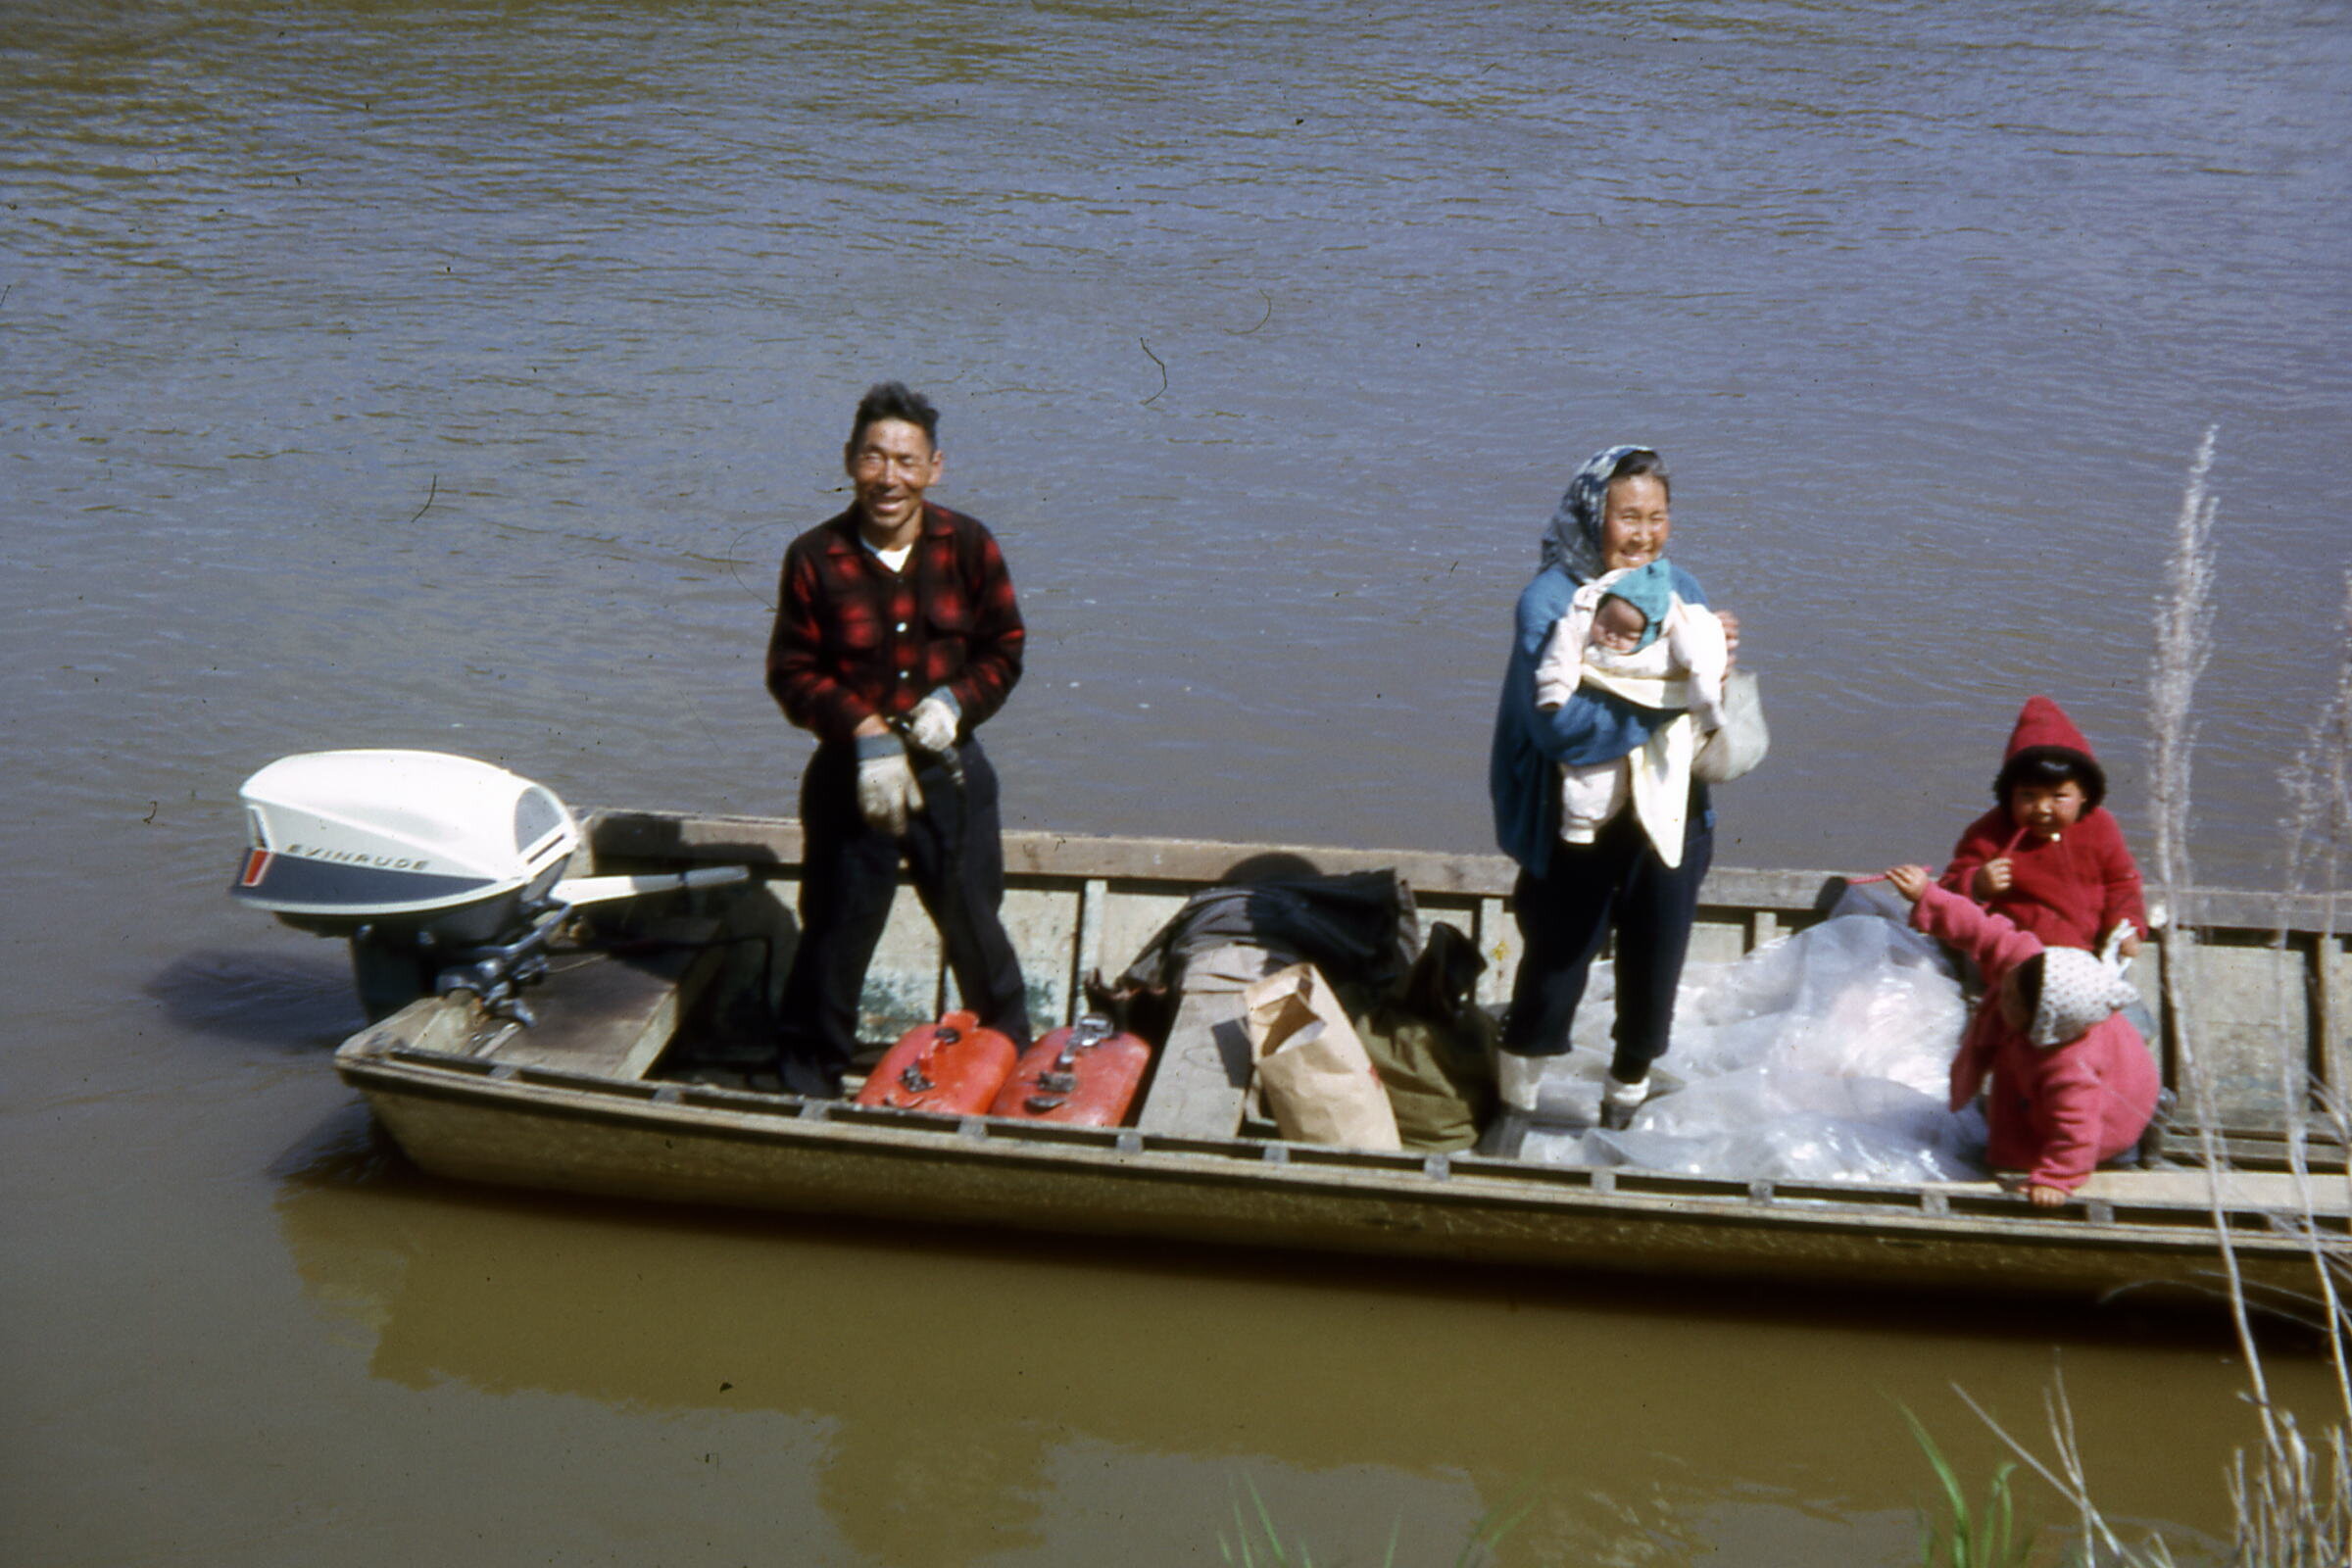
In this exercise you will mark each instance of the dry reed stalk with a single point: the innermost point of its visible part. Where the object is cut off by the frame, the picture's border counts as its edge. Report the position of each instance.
(2294, 1501)
(2318, 833)
(2069, 1478)
(2319, 830)
(2184, 614)
(2184, 644)
(2318, 785)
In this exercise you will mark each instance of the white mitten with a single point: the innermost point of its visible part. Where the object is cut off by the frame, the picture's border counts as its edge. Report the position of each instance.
(887, 793)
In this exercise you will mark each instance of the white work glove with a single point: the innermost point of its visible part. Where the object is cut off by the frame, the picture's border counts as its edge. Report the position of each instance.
(933, 723)
(887, 793)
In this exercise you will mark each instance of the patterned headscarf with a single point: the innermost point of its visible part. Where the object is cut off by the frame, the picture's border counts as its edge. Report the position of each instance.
(2078, 992)
(1571, 540)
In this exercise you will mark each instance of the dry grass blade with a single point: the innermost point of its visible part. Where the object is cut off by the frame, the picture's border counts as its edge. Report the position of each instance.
(2319, 782)
(2293, 1499)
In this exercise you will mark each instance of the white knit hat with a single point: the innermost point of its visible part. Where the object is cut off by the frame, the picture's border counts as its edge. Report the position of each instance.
(2077, 992)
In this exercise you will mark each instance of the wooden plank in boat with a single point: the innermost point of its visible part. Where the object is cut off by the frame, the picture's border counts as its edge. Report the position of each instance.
(770, 911)
(2178, 1139)
(434, 1024)
(2331, 1017)
(2331, 1192)
(2147, 978)
(1202, 1076)
(2241, 1001)
(1043, 925)
(607, 1014)
(1717, 940)
(904, 983)
(1129, 920)
(1500, 944)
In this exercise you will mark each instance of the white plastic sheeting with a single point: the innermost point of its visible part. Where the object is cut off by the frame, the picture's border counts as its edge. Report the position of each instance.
(1822, 1056)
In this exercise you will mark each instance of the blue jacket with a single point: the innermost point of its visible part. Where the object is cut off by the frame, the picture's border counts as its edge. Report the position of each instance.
(1590, 727)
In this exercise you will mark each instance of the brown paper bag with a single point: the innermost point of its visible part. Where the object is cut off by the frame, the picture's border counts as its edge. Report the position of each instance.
(1312, 1068)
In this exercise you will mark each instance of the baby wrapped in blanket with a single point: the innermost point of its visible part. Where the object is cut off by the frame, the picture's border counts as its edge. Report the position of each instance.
(1628, 634)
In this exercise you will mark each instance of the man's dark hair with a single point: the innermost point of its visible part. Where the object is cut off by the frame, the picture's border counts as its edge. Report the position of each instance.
(1642, 463)
(2050, 766)
(893, 400)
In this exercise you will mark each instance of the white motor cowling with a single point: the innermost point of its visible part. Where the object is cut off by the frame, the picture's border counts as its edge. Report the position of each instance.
(443, 872)
(342, 839)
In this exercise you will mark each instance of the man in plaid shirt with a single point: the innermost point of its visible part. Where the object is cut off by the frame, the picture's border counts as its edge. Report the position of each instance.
(897, 635)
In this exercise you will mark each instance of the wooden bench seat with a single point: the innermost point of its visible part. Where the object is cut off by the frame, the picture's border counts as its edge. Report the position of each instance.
(613, 1015)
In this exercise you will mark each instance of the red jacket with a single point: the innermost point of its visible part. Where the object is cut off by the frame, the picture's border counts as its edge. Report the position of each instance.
(2071, 890)
(853, 638)
(2053, 1112)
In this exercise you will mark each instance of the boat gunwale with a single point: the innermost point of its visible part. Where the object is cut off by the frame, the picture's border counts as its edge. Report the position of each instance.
(1035, 855)
(1926, 1210)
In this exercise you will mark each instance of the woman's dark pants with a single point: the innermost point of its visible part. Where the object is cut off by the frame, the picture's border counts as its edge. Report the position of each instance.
(1565, 917)
(848, 874)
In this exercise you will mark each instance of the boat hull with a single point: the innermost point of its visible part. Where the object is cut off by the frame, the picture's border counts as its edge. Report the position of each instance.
(564, 1133)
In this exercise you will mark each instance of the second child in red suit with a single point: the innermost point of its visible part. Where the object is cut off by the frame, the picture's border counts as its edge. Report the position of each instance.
(2071, 1085)
(2050, 856)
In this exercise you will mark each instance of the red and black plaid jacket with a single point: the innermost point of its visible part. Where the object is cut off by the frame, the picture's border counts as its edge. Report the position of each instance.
(853, 638)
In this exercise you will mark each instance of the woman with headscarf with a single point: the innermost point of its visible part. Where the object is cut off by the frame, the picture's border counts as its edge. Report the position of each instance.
(1570, 894)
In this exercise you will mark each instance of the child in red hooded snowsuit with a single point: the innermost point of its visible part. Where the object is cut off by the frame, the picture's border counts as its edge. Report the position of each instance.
(2049, 856)
(2073, 1084)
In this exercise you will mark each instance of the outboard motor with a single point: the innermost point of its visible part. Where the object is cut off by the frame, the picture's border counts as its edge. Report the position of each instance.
(444, 873)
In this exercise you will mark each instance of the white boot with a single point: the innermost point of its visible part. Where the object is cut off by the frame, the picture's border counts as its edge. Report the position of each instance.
(1519, 1078)
(1619, 1102)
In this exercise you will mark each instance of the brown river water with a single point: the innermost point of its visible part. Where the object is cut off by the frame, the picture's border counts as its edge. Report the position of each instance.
(452, 377)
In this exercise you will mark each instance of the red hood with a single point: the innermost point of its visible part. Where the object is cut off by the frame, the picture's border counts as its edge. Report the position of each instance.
(2042, 722)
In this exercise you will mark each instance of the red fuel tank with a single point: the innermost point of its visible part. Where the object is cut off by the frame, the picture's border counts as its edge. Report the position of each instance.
(953, 1066)
(1086, 1074)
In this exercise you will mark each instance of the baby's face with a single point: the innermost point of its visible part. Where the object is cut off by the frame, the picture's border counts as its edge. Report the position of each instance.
(1617, 625)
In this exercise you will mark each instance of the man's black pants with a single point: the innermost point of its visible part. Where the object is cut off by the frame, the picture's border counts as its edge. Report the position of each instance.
(849, 875)
(1564, 917)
